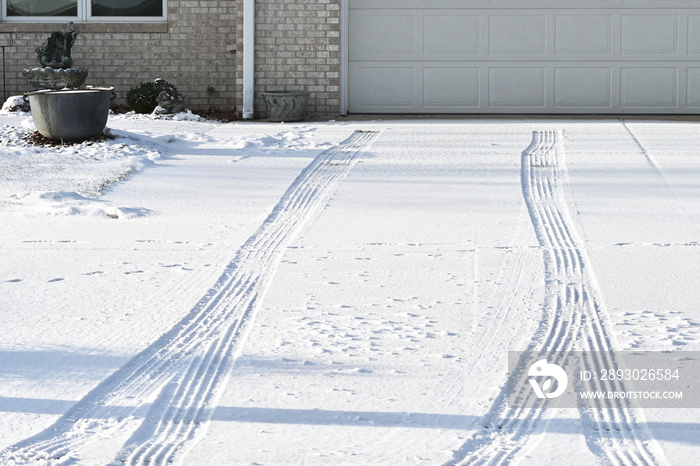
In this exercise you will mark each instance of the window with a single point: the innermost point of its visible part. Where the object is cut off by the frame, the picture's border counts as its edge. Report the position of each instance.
(42, 8)
(83, 10)
(116, 8)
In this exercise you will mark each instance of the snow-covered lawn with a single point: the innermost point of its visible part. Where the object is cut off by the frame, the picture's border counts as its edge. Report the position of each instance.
(340, 292)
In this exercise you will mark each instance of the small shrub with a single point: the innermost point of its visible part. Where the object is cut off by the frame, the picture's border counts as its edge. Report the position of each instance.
(142, 99)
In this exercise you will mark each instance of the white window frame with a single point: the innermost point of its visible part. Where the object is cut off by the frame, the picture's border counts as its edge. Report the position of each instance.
(83, 16)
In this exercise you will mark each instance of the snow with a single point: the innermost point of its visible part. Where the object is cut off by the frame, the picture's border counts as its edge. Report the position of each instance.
(339, 292)
(13, 105)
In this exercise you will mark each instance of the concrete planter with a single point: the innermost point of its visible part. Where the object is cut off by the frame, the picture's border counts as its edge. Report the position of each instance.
(285, 105)
(70, 114)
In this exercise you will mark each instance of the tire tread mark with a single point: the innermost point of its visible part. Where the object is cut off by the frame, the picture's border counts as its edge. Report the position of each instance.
(574, 318)
(187, 368)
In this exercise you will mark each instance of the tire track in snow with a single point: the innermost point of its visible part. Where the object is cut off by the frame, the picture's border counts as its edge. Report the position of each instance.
(183, 374)
(517, 289)
(574, 319)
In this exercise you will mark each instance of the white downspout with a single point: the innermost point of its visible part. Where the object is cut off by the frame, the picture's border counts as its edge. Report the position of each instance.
(344, 11)
(248, 59)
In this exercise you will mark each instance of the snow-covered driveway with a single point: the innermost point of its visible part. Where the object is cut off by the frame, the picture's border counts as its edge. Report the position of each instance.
(336, 292)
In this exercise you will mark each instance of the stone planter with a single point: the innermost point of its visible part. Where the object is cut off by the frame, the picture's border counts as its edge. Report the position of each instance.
(70, 114)
(285, 105)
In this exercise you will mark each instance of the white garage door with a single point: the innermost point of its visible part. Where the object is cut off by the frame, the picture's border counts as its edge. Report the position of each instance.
(524, 56)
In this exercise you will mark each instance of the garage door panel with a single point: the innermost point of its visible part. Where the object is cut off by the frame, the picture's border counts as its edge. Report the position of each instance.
(382, 34)
(451, 87)
(391, 87)
(694, 34)
(583, 34)
(517, 87)
(583, 87)
(694, 88)
(649, 87)
(517, 34)
(649, 34)
(452, 33)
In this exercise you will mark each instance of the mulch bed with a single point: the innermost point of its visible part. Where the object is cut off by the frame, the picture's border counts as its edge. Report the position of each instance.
(35, 138)
(223, 116)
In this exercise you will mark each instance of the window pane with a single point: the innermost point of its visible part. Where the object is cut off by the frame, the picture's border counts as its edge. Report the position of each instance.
(127, 7)
(42, 7)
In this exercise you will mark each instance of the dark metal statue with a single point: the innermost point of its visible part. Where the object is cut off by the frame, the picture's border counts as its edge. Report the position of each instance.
(55, 52)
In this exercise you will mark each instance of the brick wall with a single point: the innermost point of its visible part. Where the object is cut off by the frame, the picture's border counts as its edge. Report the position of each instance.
(195, 50)
(297, 48)
(201, 47)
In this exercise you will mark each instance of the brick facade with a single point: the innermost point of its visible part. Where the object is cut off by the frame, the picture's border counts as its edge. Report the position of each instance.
(192, 51)
(297, 48)
(200, 50)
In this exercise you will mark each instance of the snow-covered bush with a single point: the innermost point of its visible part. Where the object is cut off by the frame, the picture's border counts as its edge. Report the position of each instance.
(142, 98)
